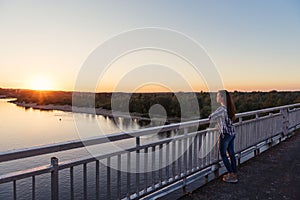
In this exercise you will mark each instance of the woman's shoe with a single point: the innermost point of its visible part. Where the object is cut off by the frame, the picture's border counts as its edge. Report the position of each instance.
(230, 178)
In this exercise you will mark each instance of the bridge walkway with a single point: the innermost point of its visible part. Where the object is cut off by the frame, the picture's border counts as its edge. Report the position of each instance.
(274, 174)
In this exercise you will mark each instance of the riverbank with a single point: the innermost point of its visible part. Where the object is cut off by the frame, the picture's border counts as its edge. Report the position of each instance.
(68, 108)
(95, 111)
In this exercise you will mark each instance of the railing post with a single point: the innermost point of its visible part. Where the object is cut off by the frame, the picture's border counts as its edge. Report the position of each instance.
(206, 179)
(239, 159)
(285, 115)
(256, 151)
(54, 179)
(240, 132)
(138, 143)
(215, 168)
(185, 154)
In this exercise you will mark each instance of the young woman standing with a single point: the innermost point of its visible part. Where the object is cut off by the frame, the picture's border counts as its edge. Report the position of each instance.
(224, 116)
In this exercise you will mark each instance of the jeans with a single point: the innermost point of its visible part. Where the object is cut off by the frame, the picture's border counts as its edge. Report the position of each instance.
(227, 144)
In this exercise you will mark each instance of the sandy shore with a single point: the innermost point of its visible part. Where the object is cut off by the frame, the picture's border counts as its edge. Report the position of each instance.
(95, 111)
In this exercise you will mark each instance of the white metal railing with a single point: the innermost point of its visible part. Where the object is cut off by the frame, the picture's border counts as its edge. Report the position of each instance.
(191, 152)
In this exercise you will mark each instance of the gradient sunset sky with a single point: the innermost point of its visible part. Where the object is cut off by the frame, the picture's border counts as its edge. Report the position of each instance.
(255, 45)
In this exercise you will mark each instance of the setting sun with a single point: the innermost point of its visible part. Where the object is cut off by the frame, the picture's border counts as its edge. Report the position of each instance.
(41, 84)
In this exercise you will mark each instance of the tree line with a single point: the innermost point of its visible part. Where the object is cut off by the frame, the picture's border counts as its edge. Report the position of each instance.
(141, 102)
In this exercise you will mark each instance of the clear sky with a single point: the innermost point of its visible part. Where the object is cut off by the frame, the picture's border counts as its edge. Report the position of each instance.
(255, 44)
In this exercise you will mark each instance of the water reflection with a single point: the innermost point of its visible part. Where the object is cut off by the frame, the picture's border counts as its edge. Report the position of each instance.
(25, 127)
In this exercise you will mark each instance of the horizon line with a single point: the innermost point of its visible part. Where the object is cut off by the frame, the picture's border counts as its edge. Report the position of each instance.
(58, 90)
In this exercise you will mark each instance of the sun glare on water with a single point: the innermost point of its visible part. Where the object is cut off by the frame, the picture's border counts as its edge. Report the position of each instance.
(41, 84)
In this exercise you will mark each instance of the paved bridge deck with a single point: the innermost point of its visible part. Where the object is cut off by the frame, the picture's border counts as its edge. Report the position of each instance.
(274, 174)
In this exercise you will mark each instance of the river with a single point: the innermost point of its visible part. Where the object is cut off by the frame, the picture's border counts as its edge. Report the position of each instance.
(26, 127)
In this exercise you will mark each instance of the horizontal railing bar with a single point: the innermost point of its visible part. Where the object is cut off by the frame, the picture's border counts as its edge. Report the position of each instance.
(165, 128)
(261, 141)
(249, 121)
(294, 126)
(294, 110)
(175, 138)
(258, 145)
(199, 172)
(63, 146)
(245, 114)
(75, 162)
(25, 173)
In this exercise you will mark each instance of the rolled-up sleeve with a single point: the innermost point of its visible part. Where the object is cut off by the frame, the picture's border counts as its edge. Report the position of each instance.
(218, 113)
(219, 117)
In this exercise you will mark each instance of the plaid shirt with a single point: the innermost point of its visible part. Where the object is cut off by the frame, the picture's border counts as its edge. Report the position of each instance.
(224, 123)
